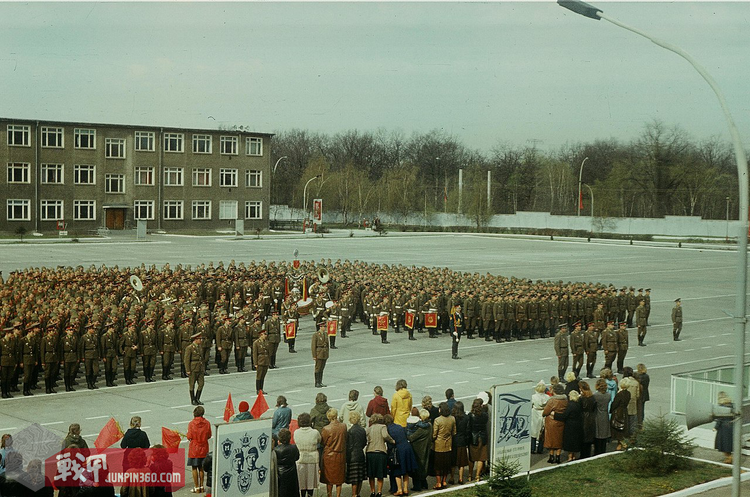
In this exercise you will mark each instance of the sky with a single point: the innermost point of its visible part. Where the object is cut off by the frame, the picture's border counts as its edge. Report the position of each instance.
(494, 73)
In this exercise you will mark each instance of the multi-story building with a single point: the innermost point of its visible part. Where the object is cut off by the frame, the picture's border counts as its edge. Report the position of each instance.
(86, 176)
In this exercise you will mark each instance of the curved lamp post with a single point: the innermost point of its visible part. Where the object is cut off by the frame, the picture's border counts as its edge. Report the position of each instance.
(580, 177)
(595, 13)
(304, 198)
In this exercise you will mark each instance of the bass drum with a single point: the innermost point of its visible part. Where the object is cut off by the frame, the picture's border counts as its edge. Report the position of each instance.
(304, 306)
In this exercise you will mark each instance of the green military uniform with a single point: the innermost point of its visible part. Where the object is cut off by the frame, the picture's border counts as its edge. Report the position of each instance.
(50, 359)
(577, 348)
(622, 346)
(129, 351)
(195, 367)
(30, 358)
(110, 351)
(561, 350)
(149, 345)
(676, 320)
(320, 354)
(225, 342)
(261, 359)
(590, 346)
(88, 350)
(273, 328)
(241, 343)
(609, 343)
(8, 360)
(167, 342)
(641, 319)
(70, 358)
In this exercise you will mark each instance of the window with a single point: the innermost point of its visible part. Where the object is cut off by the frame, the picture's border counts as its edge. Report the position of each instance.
(114, 183)
(228, 209)
(254, 146)
(84, 210)
(229, 145)
(51, 210)
(19, 172)
(143, 209)
(144, 176)
(114, 148)
(144, 141)
(85, 138)
(201, 177)
(84, 174)
(201, 209)
(173, 209)
(19, 135)
(254, 210)
(227, 177)
(52, 174)
(201, 144)
(174, 142)
(52, 137)
(18, 210)
(253, 179)
(172, 176)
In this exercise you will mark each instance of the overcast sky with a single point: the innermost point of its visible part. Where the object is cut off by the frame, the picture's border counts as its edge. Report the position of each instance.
(487, 73)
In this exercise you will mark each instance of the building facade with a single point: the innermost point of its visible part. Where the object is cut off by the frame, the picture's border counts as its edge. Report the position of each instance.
(84, 176)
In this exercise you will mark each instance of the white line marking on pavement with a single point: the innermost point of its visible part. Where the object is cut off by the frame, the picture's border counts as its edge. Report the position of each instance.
(461, 382)
(446, 371)
(721, 345)
(307, 404)
(541, 370)
(671, 352)
(500, 364)
(689, 350)
(515, 374)
(53, 423)
(725, 334)
(432, 386)
(389, 379)
(92, 435)
(475, 367)
(355, 383)
(338, 400)
(488, 378)
(96, 417)
(416, 375)
(648, 355)
(545, 358)
(525, 360)
(708, 347)
(217, 401)
(9, 428)
(180, 407)
(293, 391)
(140, 412)
(180, 422)
(693, 362)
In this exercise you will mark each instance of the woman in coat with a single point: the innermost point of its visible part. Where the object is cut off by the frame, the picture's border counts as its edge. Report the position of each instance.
(538, 401)
(461, 441)
(443, 431)
(421, 443)
(612, 387)
(307, 439)
(618, 411)
(401, 403)
(333, 440)
(376, 452)
(635, 395)
(198, 433)
(407, 462)
(572, 416)
(601, 398)
(588, 406)
(281, 417)
(724, 437)
(356, 441)
(641, 375)
(287, 456)
(553, 428)
(319, 412)
(478, 419)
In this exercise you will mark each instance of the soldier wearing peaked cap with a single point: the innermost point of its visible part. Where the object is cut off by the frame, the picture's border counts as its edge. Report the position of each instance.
(167, 342)
(622, 346)
(577, 348)
(320, 351)
(110, 351)
(8, 357)
(195, 367)
(561, 350)
(641, 318)
(590, 345)
(609, 343)
(677, 320)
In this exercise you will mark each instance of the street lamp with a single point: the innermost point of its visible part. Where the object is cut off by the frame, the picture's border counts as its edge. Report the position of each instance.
(277, 163)
(273, 182)
(591, 192)
(592, 12)
(304, 197)
(580, 176)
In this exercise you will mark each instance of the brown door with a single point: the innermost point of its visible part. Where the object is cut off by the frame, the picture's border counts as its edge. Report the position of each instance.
(116, 219)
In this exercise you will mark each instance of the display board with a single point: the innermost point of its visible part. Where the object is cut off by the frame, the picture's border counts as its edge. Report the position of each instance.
(242, 459)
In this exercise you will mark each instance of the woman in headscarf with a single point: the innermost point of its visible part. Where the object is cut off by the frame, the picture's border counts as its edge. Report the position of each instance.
(287, 456)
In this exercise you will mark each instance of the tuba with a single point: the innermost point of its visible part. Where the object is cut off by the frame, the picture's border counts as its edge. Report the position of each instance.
(323, 275)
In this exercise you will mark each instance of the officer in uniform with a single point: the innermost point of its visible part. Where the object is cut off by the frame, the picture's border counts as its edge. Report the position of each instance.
(561, 350)
(195, 367)
(129, 351)
(149, 346)
(599, 322)
(167, 346)
(30, 357)
(224, 340)
(632, 304)
(261, 359)
(50, 358)
(609, 343)
(577, 348)
(70, 357)
(273, 330)
(241, 342)
(677, 320)
(320, 353)
(457, 329)
(641, 318)
(622, 346)
(186, 331)
(647, 299)
(109, 348)
(8, 358)
(90, 353)
(590, 346)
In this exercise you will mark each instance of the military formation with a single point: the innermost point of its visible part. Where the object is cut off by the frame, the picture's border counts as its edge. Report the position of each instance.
(63, 323)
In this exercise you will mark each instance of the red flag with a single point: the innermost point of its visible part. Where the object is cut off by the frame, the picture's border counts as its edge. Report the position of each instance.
(430, 319)
(332, 327)
(170, 439)
(260, 406)
(580, 200)
(110, 434)
(228, 409)
(383, 322)
(293, 425)
(409, 320)
(290, 329)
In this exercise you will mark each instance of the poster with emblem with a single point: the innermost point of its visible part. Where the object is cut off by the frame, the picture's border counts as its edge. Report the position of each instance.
(511, 415)
(242, 459)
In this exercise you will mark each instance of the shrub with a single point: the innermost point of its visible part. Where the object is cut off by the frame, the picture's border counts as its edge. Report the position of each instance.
(660, 447)
(503, 482)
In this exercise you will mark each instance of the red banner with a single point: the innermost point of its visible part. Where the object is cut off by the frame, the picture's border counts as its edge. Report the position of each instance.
(333, 327)
(228, 408)
(290, 329)
(110, 434)
(409, 320)
(383, 322)
(430, 319)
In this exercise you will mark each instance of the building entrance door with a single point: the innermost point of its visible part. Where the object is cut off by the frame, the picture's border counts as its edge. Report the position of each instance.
(116, 219)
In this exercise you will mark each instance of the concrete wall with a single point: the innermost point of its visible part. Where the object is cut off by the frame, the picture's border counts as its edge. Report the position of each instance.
(683, 226)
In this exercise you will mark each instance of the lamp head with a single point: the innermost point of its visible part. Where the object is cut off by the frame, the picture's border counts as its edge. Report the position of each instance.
(582, 8)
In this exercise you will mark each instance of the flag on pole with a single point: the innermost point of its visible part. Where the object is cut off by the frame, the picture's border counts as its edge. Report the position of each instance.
(383, 322)
(228, 409)
(260, 406)
(110, 434)
(290, 330)
(332, 326)
(430, 319)
(409, 319)
(170, 439)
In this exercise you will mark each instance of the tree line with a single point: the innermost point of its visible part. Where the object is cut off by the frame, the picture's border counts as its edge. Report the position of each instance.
(662, 172)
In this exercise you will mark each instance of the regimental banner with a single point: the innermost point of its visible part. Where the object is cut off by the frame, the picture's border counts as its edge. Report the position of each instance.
(511, 439)
(430, 319)
(242, 459)
(318, 211)
(383, 322)
(409, 319)
(290, 330)
(332, 327)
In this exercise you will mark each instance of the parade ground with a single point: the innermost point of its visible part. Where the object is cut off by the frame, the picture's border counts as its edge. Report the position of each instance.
(702, 276)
